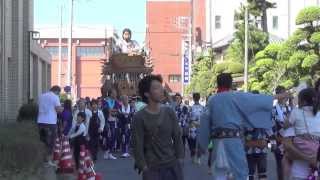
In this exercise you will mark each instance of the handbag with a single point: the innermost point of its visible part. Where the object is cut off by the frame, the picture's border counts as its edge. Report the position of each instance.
(308, 144)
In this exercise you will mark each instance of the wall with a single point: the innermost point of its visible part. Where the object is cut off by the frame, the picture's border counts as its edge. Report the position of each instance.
(199, 13)
(16, 22)
(86, 71)
(286, 10)
(226, 11)
(165, 37)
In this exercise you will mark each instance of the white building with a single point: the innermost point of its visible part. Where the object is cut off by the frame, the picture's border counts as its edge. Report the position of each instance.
(281, 20)
(24, 65)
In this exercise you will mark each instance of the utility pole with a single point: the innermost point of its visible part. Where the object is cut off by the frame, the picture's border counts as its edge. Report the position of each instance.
(69, 66)
(210, 21)
(289, 18)
(192, 31)
(60, 44)
(246, 50)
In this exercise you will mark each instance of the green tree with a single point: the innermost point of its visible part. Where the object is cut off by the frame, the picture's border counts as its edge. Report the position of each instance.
(258, 38)
(292, 61)
(258, 8)
(202, 74)
(205, 71)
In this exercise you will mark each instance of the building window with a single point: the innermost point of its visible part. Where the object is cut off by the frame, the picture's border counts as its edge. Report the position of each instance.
(275, 22)
(217, 22)
(174, 78)
(54, 51)
(90, 51)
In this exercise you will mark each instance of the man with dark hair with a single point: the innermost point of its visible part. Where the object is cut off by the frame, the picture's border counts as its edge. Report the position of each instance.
(280, 89)
(157, 143)
(224, 81)
(228, 114)
(55, 89)
(49, 106)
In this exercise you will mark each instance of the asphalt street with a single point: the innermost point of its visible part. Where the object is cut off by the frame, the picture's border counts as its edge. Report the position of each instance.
(122, 169)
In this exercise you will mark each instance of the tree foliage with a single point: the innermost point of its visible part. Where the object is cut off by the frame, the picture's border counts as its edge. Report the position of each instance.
(258, 8)
(205, 71)
(292, 61)
(258, 39)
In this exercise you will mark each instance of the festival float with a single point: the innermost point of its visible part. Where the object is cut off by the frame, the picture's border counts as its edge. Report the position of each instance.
(126, 64)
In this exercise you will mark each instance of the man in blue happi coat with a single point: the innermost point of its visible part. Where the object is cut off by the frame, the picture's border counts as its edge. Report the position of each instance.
(228, 114)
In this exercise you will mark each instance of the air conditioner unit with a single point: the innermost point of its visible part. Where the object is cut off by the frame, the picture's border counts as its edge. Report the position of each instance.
(78, 42)
(103, 43)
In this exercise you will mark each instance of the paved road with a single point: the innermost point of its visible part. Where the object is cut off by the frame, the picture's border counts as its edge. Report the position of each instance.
(122, 169)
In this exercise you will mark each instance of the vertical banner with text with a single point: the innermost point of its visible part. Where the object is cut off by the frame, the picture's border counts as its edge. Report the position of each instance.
(186, 62)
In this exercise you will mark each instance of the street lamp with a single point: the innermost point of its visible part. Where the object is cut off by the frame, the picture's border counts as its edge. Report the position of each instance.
(34, 35)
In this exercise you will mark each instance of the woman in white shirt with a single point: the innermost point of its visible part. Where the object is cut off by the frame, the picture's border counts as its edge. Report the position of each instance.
(306, 123)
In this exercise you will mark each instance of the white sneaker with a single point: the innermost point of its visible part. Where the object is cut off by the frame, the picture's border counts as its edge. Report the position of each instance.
(125, 155)
(112, 157)
(106, 155)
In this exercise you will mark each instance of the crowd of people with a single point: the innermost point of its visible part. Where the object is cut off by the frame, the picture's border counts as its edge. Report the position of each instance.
(236, 129)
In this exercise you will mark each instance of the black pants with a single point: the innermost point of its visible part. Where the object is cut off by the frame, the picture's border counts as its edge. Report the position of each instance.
(192, 146)
(48, 134)
(210, 157)
(77, 143)
(258, 161)
(278, 156)
(118, 139)
(94, 145)
(173, 172)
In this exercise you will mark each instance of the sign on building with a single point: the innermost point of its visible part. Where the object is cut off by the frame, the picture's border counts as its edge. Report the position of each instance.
(186, 62)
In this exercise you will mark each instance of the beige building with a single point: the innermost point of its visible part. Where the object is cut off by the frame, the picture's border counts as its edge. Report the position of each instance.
(24, 66)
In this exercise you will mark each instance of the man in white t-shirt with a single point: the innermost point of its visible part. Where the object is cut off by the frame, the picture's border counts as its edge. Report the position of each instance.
(49, 106)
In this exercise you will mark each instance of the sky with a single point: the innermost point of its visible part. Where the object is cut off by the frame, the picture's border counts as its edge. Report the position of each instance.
(118, 13)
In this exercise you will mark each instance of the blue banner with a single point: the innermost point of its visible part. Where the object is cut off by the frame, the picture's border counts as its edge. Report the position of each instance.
(186, 63)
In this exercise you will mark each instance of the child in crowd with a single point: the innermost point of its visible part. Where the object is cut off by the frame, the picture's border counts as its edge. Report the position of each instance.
(96, 126)
(78, 136)
(111, 133)
(125, 118)
(66, 116)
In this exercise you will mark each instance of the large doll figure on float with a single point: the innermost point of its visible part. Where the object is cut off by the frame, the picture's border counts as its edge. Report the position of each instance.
(127, 45)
